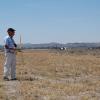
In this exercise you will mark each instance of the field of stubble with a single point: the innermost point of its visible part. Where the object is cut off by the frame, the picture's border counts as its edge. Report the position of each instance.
(53, 75)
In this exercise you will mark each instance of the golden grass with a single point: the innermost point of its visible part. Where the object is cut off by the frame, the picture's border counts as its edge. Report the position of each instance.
(49, 75)
(2, 91)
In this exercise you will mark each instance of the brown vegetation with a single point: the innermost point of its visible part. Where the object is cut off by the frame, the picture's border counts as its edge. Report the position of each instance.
(55, 75)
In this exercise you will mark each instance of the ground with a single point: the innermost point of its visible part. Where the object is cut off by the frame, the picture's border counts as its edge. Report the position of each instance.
(53, 75)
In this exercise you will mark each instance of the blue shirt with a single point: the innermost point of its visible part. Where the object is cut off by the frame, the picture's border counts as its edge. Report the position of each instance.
(9, 42)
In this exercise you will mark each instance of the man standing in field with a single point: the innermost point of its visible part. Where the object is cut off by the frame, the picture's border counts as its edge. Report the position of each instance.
(10, 55)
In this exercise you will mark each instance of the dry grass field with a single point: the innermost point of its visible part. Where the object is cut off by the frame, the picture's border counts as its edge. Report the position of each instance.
(53, 75)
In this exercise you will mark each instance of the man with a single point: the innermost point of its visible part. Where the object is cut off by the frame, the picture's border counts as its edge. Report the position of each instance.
(10, 55)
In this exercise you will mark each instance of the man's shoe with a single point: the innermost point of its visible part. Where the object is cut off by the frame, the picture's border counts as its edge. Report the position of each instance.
(6, 79)
(14, 79)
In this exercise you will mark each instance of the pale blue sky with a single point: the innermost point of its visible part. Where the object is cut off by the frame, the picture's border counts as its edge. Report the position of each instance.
(44, 21)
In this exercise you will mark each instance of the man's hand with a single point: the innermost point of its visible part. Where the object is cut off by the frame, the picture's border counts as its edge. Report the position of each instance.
(6, 46)
(13, 49)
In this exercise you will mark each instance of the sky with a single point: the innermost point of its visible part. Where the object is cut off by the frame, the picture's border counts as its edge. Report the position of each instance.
(45, 21)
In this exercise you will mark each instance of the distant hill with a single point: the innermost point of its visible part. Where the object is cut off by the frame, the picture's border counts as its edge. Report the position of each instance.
(58, 45)
(82, 45)
(39, 46)
(1, 47)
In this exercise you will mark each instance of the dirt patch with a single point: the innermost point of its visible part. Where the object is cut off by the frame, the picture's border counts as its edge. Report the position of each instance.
(12, 90)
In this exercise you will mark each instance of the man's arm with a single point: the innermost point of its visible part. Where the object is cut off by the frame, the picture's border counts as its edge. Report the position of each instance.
(7, 47)
(15, 44)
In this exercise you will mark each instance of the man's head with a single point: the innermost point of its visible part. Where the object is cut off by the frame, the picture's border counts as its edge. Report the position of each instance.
(11, 32)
